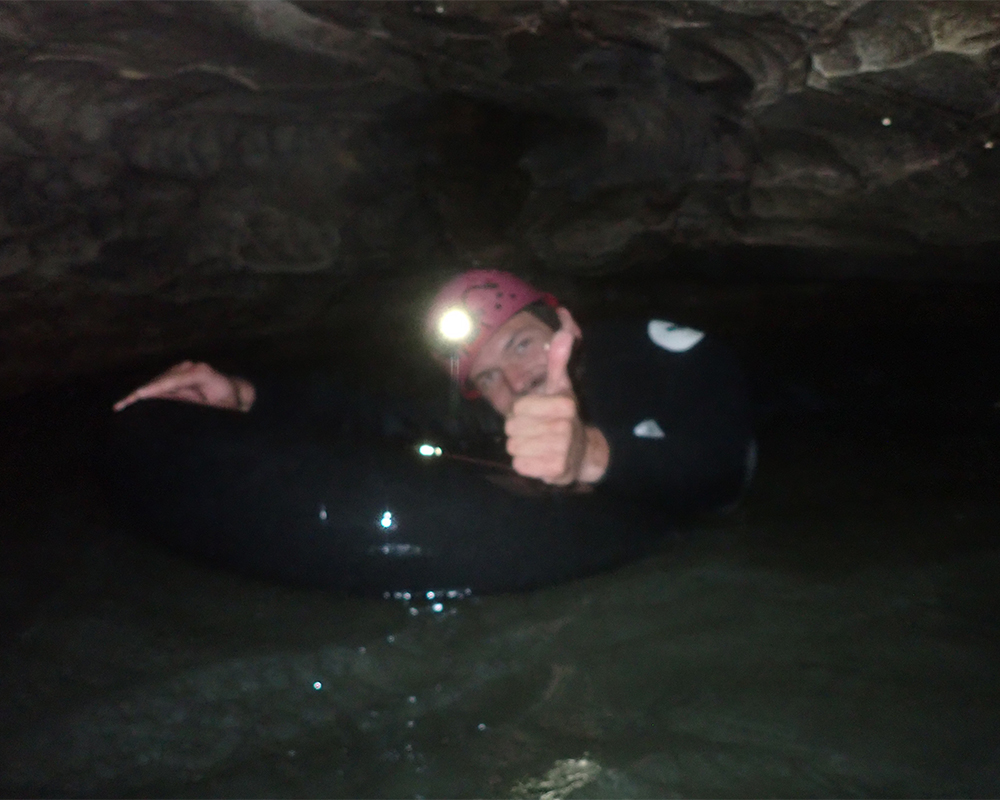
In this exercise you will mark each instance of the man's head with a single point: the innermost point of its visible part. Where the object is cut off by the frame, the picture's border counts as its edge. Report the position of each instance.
(492, 330)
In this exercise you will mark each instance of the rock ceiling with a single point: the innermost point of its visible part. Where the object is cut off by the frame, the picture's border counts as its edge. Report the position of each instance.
(174, 172)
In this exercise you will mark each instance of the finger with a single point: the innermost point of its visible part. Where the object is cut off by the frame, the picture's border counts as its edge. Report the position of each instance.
(547, 470)
(135, 397)
(151, 389)
(567, 323)
(169, 382)
(184, 393)
(142, 393)
(560, 349)
(528, 428)
(162, 384)
(530, 468)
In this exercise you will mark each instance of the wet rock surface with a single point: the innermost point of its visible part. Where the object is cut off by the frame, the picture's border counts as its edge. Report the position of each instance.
(176, 174)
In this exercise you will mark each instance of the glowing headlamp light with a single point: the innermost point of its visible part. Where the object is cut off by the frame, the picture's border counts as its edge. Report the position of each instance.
(455, 325)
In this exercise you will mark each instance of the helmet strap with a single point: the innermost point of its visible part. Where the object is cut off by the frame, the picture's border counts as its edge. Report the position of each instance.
(454, 391)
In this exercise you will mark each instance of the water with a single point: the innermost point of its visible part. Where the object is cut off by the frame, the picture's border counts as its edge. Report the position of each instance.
(837, 635)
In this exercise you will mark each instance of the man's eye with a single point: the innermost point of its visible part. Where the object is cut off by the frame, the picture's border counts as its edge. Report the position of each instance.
(523, 345)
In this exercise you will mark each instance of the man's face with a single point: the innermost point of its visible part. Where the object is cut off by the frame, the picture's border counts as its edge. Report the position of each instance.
(513, 362)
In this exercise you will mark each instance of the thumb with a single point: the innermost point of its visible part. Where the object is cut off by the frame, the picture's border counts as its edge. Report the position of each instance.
(560, 349)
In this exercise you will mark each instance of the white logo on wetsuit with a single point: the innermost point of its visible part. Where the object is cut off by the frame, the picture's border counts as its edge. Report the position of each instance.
(672, 337)
(649, 429)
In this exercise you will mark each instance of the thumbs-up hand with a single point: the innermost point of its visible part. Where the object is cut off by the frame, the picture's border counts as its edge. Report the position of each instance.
(560, 349)
(545, 435)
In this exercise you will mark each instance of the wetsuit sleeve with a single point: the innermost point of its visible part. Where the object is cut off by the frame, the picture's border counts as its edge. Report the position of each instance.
(677, 423)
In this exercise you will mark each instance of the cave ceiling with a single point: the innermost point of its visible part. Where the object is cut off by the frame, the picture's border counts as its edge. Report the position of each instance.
(176, 172)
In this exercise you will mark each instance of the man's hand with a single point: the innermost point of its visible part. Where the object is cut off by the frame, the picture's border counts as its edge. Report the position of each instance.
(545, 435)
(192, 382)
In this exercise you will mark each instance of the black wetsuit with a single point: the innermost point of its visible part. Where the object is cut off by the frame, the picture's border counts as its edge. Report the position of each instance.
(677, 420)
(320, 485)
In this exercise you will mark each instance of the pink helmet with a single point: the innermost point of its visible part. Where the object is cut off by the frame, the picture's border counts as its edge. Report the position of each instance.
(490, 297)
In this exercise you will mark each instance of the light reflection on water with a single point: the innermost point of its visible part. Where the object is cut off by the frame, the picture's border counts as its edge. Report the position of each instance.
(834, 636)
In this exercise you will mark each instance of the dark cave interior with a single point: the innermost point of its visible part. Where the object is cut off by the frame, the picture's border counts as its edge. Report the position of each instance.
(284, 183)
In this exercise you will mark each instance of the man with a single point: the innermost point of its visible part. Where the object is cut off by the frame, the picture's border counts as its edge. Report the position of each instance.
(666, 410)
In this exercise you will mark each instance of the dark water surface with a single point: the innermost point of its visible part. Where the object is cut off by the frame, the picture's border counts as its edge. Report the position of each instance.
(837, 635)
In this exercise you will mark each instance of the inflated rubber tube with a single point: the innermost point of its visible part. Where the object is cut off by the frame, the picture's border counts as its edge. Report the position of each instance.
(358, 516)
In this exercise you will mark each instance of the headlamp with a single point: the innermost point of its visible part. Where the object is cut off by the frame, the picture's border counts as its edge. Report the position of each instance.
(455, 325)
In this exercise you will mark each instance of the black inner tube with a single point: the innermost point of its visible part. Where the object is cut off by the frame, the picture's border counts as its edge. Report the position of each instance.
(362, 516)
